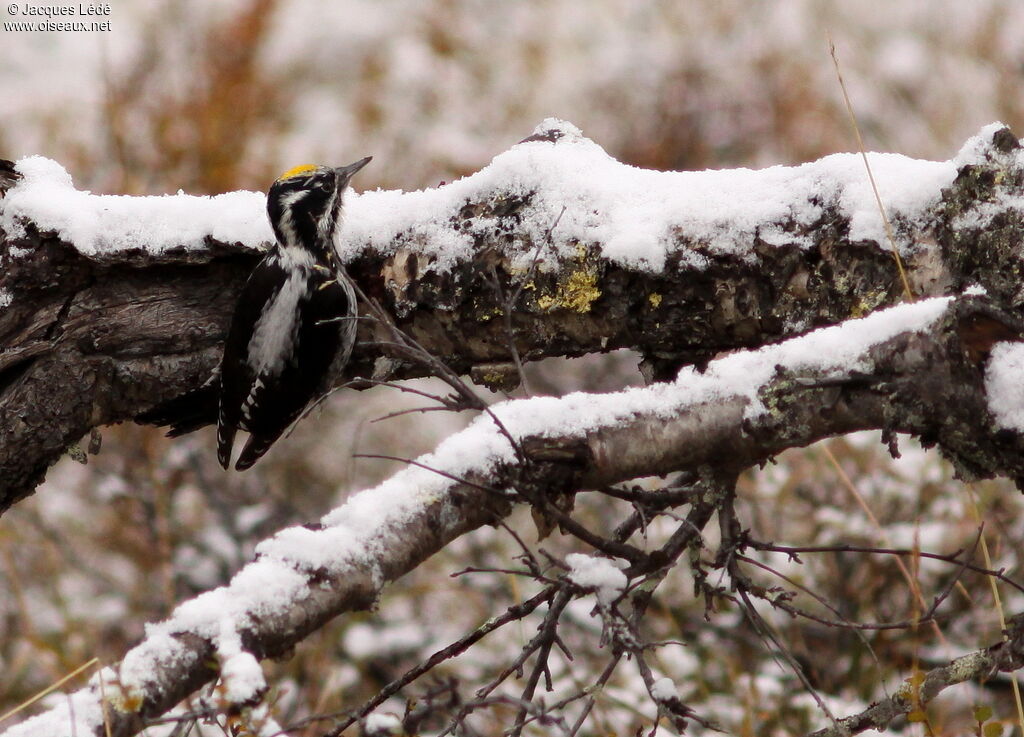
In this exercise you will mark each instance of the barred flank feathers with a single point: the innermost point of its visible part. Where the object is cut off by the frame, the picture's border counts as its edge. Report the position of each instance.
(225, 441)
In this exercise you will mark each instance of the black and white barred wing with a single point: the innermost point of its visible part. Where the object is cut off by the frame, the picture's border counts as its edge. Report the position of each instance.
(237, 373)
(275, 364)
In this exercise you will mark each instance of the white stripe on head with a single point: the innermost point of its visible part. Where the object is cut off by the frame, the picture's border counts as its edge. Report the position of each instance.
(287, 223)
(336, 208)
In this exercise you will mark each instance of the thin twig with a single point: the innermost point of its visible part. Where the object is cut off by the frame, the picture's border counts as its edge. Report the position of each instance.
(546, 638)
(512, 614)
(410, 411)
(1002, 657)
(425, 467)
(417, 352)
(793, 550)
(513, 300)
(533, 575)
(768, 636)
(574, 528)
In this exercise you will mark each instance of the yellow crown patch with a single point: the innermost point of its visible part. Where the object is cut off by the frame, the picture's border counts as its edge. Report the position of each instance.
(298, 171)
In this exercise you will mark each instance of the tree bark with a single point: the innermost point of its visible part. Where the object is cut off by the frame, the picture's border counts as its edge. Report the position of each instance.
(98, 339)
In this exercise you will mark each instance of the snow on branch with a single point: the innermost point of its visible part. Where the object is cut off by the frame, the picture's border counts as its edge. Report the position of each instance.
(110, 304)
(912, 368)
(636, 216)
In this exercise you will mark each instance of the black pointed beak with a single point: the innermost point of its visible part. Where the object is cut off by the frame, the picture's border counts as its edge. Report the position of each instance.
(346, 172)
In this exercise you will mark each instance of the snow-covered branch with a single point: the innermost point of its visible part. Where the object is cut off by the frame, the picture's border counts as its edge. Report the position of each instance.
(109, 304)
(916, 368)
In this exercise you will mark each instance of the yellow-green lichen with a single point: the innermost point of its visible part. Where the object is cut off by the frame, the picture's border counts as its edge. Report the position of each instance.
(580, 291)
(576, 290)
(867, 303)
(655, 299)
(546, 302)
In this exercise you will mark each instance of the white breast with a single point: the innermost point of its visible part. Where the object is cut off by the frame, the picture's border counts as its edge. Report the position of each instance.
(273, 339)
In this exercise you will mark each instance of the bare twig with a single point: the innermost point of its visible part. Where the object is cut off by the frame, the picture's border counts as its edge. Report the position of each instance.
(509, 306)
(795, 550)
(425, 467)
(408, 345)
(458, 647)
(1003, 657)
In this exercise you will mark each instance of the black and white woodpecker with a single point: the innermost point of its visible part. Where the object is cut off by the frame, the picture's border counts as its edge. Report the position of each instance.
(294, 326)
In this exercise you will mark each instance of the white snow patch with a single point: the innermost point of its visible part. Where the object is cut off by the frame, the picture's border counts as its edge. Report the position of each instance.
(975, 149)
(240, 673)
(363, 640)
(266, 725)
(379, 725)
(600, 574)
(978, 150)
(1004, 385)
(78, 713)
(137, 669)
(263, 589)
(5, 298)
(835, 350)
(99, 224)
(664, 689)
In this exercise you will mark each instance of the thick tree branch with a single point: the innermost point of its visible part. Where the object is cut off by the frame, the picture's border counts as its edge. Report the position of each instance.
(103, 314)
(914, 368)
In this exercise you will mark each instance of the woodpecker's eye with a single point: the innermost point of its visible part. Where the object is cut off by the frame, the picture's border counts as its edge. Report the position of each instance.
(324, 186)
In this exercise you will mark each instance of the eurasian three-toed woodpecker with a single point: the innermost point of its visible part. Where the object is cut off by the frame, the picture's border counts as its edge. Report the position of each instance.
(294, 326)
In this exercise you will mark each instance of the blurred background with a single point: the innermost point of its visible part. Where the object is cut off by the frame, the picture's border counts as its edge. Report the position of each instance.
(210, 97)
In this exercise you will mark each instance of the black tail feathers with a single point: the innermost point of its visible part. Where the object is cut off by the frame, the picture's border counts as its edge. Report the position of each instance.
(254, 449)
